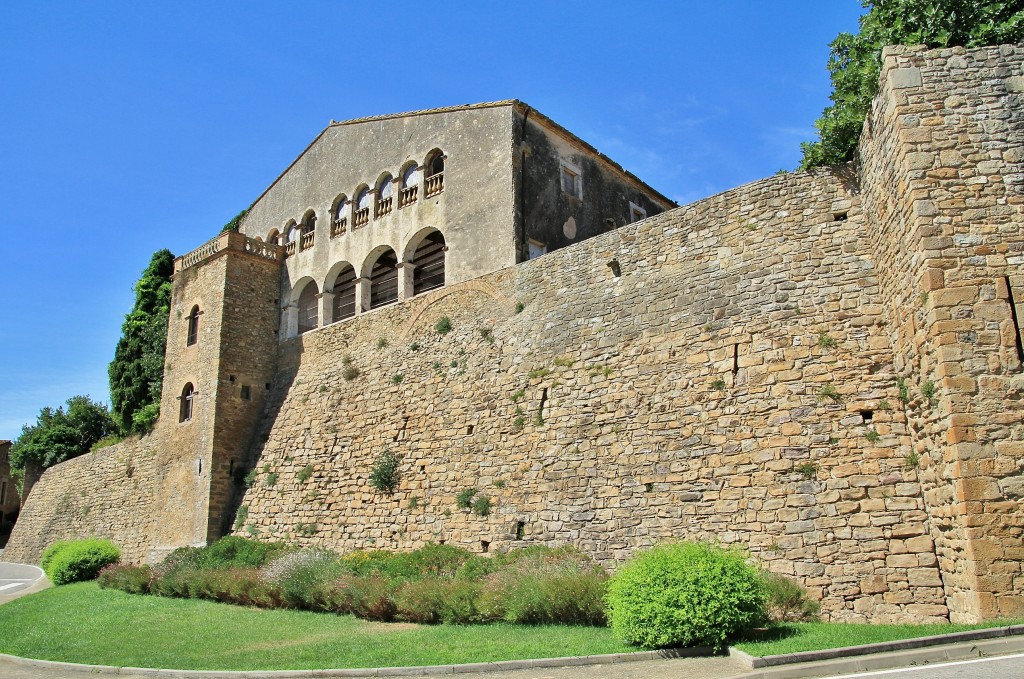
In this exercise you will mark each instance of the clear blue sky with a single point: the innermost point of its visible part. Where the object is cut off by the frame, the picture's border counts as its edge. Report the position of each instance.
(127, 127)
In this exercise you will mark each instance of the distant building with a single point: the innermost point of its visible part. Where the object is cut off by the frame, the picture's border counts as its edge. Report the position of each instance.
(10, 502)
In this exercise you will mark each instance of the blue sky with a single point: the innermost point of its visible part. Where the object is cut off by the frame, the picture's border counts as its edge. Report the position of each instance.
(127, 127)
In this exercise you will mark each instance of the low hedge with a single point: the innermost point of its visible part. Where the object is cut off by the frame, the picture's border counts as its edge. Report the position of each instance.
(75, 560)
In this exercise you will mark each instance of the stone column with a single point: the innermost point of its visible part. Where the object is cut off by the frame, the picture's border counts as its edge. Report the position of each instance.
(326, 308)
(362, 295)
(290, 320)
(405, 280)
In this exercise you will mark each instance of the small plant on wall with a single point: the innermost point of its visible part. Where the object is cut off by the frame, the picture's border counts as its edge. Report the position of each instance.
(384, 476)
(482, 505)
(828, 392)
(443, 326)
(464, 500)
(808, 470)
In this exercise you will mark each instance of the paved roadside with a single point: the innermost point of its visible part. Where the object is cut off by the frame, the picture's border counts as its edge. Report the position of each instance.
(18, 579)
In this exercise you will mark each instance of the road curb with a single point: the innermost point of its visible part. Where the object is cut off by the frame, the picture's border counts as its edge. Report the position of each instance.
(496, 666)
(892, 660)
(755, 662)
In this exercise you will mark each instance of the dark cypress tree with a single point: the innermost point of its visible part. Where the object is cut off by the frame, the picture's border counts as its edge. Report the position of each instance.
(136, 373)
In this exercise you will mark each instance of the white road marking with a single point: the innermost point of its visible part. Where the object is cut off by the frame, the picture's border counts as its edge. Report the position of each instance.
(931, 666)
(13, 584)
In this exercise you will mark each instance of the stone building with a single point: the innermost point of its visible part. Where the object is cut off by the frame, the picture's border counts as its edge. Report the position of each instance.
(9, 500)
(823, 368)
(377, 210)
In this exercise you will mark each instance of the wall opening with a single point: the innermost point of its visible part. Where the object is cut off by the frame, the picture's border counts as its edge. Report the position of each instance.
(840, 216)
(1016, 321)
(246, 392)
(469, 429)
(308, 313)
(344, 304)
(520, 529)
(615, 267)
(735, 359)
(188, 394)
(485, 546)
(428, 263)
(384, 279)
(867, 415)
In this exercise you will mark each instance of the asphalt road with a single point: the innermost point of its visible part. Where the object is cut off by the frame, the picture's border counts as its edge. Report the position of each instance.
(15, 577)
(1003, 667)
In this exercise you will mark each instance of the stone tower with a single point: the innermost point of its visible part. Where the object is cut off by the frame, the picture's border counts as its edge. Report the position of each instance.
(220, 362)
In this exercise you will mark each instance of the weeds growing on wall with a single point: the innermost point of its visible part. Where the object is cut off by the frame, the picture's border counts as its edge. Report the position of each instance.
(384, 475)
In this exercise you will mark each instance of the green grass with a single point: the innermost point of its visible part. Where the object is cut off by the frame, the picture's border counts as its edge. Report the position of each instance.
(85, 624)
(815, 636)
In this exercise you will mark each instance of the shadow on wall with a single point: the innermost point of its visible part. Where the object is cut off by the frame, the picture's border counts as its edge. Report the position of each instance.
(279, 392)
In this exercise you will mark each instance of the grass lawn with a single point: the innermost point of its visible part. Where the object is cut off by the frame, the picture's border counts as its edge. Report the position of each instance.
(85, 624)
(815, 636)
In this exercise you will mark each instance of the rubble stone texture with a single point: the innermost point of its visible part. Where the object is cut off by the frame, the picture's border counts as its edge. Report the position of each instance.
(821, 368)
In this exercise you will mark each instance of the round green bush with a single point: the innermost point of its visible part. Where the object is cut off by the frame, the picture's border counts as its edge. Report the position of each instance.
(684, 594)
(77, 560)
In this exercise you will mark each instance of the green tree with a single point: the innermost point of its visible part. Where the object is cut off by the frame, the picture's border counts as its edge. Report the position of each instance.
(136, 373)
(61, 434)
(855, 61)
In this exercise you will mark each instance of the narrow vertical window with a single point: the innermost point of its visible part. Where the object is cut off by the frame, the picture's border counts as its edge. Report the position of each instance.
(187, 398)
(193, 326)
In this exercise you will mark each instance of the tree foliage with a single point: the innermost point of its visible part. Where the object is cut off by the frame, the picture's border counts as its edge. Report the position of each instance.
(136, 373)
(855, 61)
(61, 434)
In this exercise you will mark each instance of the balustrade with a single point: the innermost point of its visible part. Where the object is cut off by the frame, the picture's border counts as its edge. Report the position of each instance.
(306, 241)
(407, 196)
(339, 227)
(433, 185)
(289, 249)
(361, 217)
(384, 206)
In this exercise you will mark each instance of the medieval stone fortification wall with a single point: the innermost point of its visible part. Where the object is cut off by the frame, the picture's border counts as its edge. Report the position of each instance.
(108, 493)
(822, 368)
(684, 397)
(941, 171)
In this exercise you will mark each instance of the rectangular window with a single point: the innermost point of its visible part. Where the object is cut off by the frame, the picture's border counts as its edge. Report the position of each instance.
(3, 493)
(571, 178)
(246, 393)
(636, 213)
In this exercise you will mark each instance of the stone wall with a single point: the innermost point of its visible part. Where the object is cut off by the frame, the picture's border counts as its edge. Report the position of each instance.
(822, 368)
(10, 502)
(109, 493)
(941, 170)
(706, 373)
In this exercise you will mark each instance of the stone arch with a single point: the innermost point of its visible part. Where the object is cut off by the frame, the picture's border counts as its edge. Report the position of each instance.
(362, 196)
(341, 282)
(306, 298)
(290, 231)
(434, 162)
(273, 236)
(380, 272)
(426, 252)
(409, 174)
(384, 190)
(308, 221)
(422, 306)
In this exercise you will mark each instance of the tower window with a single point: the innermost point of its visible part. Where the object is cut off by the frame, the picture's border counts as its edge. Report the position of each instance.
(193, 327)
(187, 398)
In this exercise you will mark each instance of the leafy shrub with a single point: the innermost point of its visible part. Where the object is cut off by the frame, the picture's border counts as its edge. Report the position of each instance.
(786, 600)
(304, 577)
(539, 585)
(687, 593)
(443, 326)
(370, 597)
(384, 475)
(145, 417)
(50, 552)
(78, 560)
(131, 579)
(234, 550)
(433, 600)
(241, 586)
